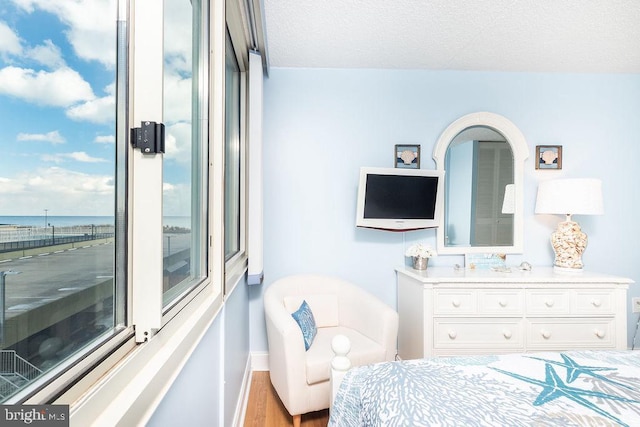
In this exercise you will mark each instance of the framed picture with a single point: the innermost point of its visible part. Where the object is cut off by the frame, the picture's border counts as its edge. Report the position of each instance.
(549, 157)
(407, 156)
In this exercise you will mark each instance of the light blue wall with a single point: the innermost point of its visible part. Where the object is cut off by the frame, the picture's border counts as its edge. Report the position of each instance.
(207, 390)
(195, 397)
(320, 126)
(236, 348)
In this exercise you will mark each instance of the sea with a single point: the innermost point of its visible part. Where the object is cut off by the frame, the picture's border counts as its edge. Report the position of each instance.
(71, 220)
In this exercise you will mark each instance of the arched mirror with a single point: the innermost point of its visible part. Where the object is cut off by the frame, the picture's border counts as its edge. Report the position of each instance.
(483, 157)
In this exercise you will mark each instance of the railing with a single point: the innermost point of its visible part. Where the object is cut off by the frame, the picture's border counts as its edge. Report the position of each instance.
(12, 364)
(7, 388)
(15, 373)
(16, 238)
(50, 241)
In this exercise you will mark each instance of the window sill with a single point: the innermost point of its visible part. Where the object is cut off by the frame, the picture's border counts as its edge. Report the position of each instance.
(130, 392)
(235, 269)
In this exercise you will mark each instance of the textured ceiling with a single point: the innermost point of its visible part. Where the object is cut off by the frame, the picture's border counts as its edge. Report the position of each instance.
(594, 36)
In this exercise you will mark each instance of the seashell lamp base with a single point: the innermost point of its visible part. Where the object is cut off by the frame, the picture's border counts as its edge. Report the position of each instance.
(569, 242)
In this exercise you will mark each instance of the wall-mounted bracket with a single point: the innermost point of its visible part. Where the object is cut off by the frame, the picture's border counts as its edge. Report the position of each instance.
(149, 137)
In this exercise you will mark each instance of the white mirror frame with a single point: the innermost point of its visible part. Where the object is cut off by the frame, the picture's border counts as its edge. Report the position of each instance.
(520, 150)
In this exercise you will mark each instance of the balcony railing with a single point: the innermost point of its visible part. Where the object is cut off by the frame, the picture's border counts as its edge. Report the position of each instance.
(15, 373)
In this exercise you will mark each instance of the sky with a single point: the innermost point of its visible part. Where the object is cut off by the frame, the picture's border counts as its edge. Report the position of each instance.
(57, 107)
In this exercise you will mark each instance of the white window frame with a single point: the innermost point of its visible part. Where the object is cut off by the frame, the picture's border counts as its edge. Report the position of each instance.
(124, 387)
(122, 382)
(236, 23)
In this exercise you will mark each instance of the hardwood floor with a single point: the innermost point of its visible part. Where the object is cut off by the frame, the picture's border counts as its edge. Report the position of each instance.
(264, 408)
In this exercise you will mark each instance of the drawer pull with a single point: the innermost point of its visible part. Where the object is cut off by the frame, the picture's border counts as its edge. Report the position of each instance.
(549, 303)
(507, 334)
(455, 302)
(453, 335)
(502, 303)
(599, 334)
(545, 334)
(596, 302)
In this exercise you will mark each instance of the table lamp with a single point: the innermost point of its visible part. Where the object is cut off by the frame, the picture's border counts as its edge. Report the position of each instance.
(581, 196)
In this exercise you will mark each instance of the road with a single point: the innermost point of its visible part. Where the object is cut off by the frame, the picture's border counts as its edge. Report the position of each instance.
(55, 274)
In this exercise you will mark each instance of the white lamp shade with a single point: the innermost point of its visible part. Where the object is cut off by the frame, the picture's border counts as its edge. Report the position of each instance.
(581, 196)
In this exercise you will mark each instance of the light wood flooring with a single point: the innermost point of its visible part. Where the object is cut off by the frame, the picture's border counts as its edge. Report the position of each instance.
(264, 408)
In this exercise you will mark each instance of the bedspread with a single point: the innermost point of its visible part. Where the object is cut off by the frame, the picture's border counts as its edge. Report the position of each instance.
(578, 388)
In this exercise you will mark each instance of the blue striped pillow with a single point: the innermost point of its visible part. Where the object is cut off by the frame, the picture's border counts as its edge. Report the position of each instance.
(304, 317)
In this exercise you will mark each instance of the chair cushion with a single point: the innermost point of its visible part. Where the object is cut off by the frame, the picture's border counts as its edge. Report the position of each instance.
(304, 317)
(318, 359)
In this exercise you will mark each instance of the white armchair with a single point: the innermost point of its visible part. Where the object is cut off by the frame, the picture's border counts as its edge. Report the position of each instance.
(301, 378)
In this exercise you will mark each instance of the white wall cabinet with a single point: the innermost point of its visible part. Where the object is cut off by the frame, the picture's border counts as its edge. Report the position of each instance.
(447, 312)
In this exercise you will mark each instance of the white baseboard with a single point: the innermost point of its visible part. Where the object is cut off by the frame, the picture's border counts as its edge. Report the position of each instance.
(259, 361)
(241, 406)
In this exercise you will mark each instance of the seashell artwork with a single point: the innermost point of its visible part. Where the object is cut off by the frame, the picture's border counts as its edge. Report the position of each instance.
(408, 156)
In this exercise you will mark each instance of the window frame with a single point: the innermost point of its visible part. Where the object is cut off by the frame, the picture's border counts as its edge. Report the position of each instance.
(92, 383)
(119, 340)
(236, 25)
(119, 394)
(119, 381)
(204, 109)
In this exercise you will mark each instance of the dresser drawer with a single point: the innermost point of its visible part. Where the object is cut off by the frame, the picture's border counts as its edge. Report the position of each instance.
(446, 312)
(548, 302)
(501, 302)
(571, 333)
(593, 302)
(478, 333)
(455, 302)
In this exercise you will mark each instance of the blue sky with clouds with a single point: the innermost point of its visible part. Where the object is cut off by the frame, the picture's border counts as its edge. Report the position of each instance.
(57, 107)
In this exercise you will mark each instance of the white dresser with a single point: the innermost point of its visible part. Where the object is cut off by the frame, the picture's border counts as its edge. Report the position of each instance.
(447, 312)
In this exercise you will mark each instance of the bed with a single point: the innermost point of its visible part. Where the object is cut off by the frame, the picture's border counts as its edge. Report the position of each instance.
(577, 388)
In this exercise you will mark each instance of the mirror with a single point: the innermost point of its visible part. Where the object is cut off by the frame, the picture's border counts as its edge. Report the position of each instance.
(483, 156)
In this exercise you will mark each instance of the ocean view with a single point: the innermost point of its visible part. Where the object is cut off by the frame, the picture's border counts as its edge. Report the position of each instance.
(71, 220)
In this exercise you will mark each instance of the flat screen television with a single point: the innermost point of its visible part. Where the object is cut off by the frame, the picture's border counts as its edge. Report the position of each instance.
(399, 199)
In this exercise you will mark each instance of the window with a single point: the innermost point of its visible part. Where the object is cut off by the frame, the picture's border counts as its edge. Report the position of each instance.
(80, 246)
(60, 188)
(232, 213)
(185, 162)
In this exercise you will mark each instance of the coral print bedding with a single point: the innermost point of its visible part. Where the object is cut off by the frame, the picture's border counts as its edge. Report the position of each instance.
(578, 388)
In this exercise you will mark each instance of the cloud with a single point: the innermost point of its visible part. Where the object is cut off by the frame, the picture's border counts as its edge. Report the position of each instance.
(91, 25)
(177, 36)
(105, 139)
(99, 110)
(62, 191)
(177, 98)
(176, 199)
(53, 137)
(79, 156)
(9, 40)
(61, 88)
(178, 143)
(8, 185)
(46, 54)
